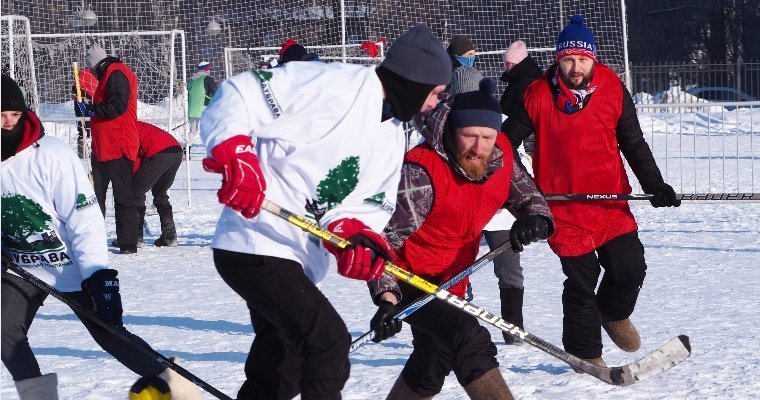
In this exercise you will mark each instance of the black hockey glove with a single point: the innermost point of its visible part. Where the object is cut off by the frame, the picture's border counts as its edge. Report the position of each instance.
(383, 323)
(528, 229)
(103, 288)
(664, 196)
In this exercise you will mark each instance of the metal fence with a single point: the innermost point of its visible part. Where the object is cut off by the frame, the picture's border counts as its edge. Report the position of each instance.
(705, 149)
(657, 83)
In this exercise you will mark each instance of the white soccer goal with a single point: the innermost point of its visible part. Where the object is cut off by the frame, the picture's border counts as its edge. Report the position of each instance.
(16, 55)
(237, 60)
(158, 59)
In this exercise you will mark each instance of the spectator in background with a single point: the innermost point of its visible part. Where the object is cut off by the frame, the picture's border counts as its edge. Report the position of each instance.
(156, 166)
(115, 140)
(520, 70)
(292, 51)
(462, 51)
(157, 163)
(200, 90)
(87, 85)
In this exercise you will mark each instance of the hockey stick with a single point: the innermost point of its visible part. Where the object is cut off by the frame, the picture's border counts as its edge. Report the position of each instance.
(85, 145)
(27, 276)
(411, 308)
(663, 358)
(687, 197)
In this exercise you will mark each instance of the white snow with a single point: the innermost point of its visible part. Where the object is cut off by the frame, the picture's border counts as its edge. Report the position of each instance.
(703, 280)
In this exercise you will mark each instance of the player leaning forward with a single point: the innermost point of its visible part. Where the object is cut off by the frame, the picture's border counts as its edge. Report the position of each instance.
(329, 144)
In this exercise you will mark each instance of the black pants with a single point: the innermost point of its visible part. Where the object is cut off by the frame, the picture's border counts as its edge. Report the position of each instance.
(157, 175)
(20, 302)
(624, 270)
(445, 339)
(301, 343)
(119, 173)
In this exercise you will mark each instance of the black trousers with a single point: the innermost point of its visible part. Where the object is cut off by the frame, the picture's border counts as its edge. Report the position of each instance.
(157, 175)
(119, 173)
(445, 339)
(20, 302)
(624, 270)
(301, 343)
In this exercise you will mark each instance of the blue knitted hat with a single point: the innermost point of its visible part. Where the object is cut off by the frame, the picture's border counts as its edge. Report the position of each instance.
(576, 39)
(476, 108)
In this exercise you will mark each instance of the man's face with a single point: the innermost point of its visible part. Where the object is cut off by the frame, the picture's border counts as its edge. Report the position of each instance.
(576, 70)
(10, 119)
(474, 145)
(432, 99)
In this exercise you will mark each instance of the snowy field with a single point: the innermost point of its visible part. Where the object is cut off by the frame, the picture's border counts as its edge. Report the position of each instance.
(703, 280)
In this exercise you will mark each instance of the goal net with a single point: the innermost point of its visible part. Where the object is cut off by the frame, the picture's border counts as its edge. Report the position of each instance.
(156, 57)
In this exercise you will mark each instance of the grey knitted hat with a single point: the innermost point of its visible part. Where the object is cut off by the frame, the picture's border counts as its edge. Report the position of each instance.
(419, 56)
(465, 79)
(95, 54)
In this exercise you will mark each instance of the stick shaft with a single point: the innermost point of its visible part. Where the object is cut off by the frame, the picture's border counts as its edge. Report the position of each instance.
(623, 196)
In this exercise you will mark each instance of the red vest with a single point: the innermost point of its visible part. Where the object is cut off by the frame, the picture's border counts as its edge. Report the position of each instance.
(152, 140)
(578, 153)
(117, 137)
(449, 238)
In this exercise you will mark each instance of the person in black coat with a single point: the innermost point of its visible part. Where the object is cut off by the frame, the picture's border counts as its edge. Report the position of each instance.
(520, 70)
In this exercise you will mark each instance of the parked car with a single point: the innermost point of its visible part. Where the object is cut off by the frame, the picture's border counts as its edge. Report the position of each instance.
(720, 94)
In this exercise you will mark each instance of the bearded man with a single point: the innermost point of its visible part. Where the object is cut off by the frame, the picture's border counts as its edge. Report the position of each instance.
(583, 117)
(451, 186)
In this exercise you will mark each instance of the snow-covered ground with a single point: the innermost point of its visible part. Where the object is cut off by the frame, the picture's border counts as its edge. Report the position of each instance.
(703, 281)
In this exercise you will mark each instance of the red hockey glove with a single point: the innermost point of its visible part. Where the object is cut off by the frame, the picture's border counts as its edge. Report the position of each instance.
(368, 252)
(243, 184)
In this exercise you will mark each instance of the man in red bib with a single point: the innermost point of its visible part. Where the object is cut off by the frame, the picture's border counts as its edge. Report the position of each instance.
(583, 118)
(451, 186)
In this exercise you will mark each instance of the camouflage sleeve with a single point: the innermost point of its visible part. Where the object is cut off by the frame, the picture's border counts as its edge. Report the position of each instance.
(382, 285)
(414, 201)
(525, 198)
(413, 204)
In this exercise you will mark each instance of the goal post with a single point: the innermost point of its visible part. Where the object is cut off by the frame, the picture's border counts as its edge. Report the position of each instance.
(158, 59)
(16, 56)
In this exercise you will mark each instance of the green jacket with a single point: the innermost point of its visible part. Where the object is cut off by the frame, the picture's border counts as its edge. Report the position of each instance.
(199, 91)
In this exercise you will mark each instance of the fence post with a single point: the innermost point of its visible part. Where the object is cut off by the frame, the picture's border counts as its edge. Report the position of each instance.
(738, 77)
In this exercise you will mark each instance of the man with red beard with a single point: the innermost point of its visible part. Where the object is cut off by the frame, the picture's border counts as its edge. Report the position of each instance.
(451, 186)
(583, 117)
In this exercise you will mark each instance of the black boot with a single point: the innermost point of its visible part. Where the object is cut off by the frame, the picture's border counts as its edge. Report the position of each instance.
(140, 228)
(168, 230)
(511, 311)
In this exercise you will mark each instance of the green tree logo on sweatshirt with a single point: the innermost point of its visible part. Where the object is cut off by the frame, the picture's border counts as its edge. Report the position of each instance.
(339, 182)
(84, 202)
(25, 225)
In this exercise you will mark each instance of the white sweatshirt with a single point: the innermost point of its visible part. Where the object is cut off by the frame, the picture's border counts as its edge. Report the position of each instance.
(51, 222)
(329, 123)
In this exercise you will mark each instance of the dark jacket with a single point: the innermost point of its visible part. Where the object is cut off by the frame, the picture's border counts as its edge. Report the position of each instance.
(517, 80)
